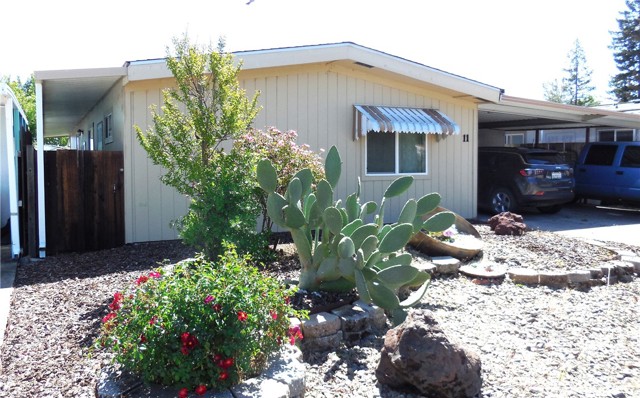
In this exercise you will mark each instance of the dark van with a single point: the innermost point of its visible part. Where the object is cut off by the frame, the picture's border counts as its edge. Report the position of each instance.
(609, 171)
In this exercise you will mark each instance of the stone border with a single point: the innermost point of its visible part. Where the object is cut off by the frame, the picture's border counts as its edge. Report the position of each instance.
(283, 378)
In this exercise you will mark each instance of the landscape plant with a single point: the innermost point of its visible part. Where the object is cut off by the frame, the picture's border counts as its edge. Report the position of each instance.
(286, 156)
(202, 324)
(204, 110)
(338, 248)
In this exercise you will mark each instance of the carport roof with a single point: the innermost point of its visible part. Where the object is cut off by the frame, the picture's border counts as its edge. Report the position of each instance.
(515, 113)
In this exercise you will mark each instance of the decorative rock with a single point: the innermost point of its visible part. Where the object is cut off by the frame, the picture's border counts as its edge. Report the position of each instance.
(507, 223)
(321, 325)
(484, 270)
(289, 370)
(611, 280)
(596, 273)
(417, 353)
(427, 267)
(446, 264)
(376, 314)
(260, 387)
(353, 319)
(553, 278)
(524, 275)
(578, 276)
(323, 343)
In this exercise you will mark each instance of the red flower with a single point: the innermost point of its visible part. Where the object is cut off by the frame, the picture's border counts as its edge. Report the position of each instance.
(108, 317)
(153, 320)
(273, 314)
(143, 339)
(217, 358)
(141, 279)
(217, 307)
(287, 300)
(183, 393)
(242, 316)
(294, 333)
(184, 337)
(223, 375)
(155, 275)
(115, 304)
(185, 350)
(227, 363)
(208, 299)
(201, 389)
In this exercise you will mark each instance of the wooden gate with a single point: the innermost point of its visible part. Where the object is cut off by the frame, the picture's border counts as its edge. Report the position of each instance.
(84, 200)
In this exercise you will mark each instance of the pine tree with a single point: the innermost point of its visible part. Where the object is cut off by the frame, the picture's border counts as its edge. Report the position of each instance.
(626, 53)
(575, 87)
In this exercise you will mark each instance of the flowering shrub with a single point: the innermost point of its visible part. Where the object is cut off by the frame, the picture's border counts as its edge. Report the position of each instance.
(201, 326)
(448, 235)
(286, 156)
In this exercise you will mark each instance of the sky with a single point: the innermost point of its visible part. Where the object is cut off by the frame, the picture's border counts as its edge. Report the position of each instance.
(515, 45)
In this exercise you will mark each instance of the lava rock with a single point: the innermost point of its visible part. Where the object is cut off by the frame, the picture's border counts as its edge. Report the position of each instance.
(418, 354)
(507, 223)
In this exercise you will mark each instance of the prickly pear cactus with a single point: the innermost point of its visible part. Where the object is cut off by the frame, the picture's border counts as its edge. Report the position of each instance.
(338, 250)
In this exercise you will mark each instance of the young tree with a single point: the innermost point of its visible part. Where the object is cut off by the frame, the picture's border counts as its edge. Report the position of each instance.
(575, 87)
(626, 53)
(205, 109)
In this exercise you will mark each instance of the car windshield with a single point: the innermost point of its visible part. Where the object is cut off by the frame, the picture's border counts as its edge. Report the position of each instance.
(544, 158)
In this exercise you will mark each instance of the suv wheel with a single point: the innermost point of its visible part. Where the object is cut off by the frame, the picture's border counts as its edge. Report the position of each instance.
(503, 200)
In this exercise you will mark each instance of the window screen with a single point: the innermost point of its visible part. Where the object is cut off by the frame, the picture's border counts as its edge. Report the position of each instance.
(381, 154)
(384, 148)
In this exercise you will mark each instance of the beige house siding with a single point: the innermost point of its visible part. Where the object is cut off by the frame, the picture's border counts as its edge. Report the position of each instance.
(316, 101)
(112, 103)
(150, 206)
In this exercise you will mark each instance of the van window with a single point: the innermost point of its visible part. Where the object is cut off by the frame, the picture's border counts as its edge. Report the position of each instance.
(601, 155)
(631, 157)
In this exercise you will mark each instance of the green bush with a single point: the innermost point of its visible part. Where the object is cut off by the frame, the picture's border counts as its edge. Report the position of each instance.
(199, 324)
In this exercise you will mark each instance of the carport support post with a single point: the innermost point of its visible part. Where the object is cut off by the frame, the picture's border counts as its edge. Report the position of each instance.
(42, 225)
(536, 139)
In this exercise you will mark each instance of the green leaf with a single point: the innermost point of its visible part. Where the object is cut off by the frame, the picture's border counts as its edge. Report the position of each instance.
(332, 220)
(346, 267)
(324, 194)
(415, 297)
(306, 178)
(328, 269)
(398, 275)
(439, 221)
(267, 176)
(363, 232)
(352, 226)
(369, 245)
(361, 285)
(396, 239)
(398, 316)
(333, 166)
(421, 277)
(373, 259)
(275, 206)
(353, 209)
(294, 191)
(428, 203)
(308, 202)
(368, 208)
(293, 217)
(360, 259)
(383, 296)
(399, 186)
(346, 249)
(408, 213)
(402, 259)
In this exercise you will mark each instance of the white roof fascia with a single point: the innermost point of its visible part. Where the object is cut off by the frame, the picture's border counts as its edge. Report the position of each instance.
(79, 73)
(7, 92)
(290, 56)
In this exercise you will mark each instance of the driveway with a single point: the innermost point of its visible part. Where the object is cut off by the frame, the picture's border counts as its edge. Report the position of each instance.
(588, 221)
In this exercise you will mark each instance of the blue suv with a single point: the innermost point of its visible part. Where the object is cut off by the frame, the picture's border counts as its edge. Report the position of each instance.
(609, 171)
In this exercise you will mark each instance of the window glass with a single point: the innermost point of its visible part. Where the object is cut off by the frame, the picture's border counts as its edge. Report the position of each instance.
(381, 154)
(544, 158)
(624, 135)
(631, 157)
(601, 155)
(412, 153)
(606, 136)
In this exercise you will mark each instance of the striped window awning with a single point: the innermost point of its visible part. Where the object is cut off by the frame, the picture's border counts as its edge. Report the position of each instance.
(386, 119)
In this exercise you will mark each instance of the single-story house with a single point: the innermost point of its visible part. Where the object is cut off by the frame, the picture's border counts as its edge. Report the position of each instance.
(13, 124)
(387, 116)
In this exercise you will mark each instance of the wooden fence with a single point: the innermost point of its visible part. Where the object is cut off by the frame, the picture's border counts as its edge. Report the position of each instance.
(84, 200)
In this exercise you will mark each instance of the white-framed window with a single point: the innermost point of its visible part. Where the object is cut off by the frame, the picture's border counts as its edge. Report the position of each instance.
(108, 129)
(396, 153)
(616, 135)
(514, 139)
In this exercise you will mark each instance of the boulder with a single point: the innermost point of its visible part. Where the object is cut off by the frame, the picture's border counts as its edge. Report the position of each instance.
(417, 354)
(507, 223)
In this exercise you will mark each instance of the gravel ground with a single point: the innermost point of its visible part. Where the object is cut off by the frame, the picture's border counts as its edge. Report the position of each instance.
(533, 342)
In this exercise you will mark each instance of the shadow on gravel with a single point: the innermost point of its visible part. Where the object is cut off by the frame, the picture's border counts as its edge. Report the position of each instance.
(128, 258)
